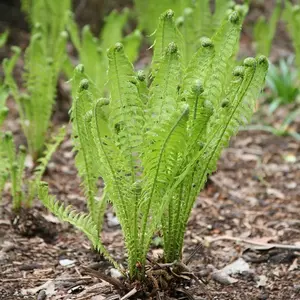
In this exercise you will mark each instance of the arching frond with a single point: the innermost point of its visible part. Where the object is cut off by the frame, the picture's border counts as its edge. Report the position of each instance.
(87, 156)
(81, 221)
(164, 146)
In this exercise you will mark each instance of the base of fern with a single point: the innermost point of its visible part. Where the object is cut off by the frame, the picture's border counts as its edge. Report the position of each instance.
(161, 282)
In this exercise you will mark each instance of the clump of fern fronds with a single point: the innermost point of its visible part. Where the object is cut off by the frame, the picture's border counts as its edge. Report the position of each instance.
(41, 73)
(155, 140)
(3, 88)
(44, 58)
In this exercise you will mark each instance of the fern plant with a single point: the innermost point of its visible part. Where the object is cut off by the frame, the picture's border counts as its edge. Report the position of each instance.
(92, 50)
(155, 142)
(3, 88)
(23, 191)
(43, 60)
(292, 18)
(41, 72)
(264, 30)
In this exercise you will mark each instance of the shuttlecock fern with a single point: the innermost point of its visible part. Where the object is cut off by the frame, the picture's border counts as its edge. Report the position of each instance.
(292, 18)
(43, 60)
(157, 140)
(41, 73)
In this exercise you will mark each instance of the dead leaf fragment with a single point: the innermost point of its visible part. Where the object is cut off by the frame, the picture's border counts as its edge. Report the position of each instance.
(237, 267)
(48, 286)
(262, 281)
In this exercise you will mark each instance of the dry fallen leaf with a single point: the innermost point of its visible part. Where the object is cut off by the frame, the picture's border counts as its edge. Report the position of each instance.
(262, 281)
(48, 286)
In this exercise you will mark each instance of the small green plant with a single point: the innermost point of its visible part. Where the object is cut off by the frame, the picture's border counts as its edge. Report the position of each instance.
(155, 142)
(41, 71)
(264, 30)
(3, 88)
(43, 61)
(3, 109)
(3, 38)
(92, 51)
(292, 18)
(282, 82)
(13, 168)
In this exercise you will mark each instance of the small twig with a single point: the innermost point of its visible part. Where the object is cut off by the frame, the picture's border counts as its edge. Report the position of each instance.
(113, 281)
(128, 295)
(247, 241)
(187, 272)
(189, 296)
(197, 249)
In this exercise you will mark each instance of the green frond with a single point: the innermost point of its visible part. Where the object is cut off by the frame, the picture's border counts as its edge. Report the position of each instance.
(116, 173)
(163, 92)
(8, 67)
(59, 54)
(132, 43)
(86, 157)
(15, 167)
(200, 65)
(142, 85)
(166, 33)
(149, 11)
(225, 42)
(81, 221)
(4, 92)
(3, 38)
(292, 18)
(91, 56)
(186, 25)
(73, 31)
(40, 81)
(50, 149)
(126, 114)
(234, 111)
(164, 146)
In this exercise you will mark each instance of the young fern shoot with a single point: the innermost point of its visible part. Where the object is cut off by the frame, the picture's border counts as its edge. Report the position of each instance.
(44, 57)
(41, 73)
(154, 143)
